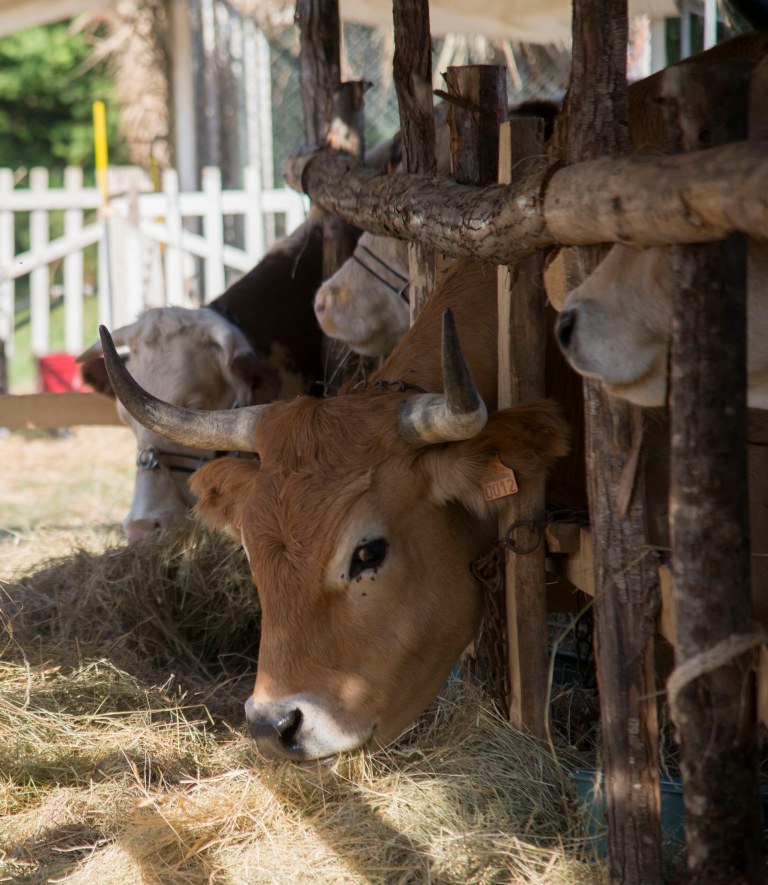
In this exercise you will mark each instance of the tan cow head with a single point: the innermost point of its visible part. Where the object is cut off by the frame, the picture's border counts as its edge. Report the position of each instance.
(616, 325)
(365, 303)
(192, 358)
(360, 522)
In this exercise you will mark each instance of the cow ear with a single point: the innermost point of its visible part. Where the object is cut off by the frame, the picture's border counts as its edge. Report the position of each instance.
(246, 366)
(221, 488)
(263, 381)
(525, 440)
(93, 371)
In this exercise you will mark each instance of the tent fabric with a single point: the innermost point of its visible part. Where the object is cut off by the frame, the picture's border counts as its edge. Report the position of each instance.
(527, 21)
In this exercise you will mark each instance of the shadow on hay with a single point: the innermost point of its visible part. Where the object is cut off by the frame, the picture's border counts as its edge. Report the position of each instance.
(180, 605)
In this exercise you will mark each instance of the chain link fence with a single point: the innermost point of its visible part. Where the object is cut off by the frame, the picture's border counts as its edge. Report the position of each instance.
(532, 72)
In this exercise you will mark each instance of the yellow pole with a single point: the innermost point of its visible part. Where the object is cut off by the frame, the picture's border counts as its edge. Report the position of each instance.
(100, 147)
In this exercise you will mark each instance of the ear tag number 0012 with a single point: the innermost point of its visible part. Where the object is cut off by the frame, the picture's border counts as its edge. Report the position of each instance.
(498, 481)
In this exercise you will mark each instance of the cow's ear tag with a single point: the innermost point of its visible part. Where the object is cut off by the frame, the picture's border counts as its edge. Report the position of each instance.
(498, 481)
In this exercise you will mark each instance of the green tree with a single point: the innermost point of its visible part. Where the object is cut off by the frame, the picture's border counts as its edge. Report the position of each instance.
(47, 88)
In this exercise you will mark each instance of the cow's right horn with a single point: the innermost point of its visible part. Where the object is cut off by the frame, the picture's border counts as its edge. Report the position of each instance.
(457, 414)
(227, 430)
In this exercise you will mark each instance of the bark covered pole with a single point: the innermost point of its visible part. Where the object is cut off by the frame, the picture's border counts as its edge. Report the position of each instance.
(522, 345)
(327, 101)
(412, 70)
(626, 580)
(712, 691)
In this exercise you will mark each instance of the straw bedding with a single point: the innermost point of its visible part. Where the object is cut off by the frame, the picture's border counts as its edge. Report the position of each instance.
(123, 758)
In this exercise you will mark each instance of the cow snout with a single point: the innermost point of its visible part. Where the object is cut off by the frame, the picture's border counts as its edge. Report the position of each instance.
(321, 305)
(566, 322)
(277, 734)
(136, 529)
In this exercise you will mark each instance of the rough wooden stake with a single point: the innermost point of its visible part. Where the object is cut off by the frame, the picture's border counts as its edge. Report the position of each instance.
(715, 710)
(324, 100)
(626, 601)
(412, 70)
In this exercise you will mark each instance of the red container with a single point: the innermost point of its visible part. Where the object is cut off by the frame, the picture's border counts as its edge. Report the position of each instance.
(58, 373)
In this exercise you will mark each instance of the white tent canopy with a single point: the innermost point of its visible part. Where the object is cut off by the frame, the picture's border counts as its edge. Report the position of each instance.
(532, 21)
(527, 21)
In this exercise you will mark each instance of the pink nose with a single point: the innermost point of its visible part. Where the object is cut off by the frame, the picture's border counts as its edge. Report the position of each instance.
(321, 305)
(137, 529)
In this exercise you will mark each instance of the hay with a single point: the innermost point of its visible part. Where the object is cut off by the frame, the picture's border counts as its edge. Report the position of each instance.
(184, 605)
(122, 757)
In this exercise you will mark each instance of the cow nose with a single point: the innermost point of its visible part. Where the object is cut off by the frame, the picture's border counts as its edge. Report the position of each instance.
(136, 529)
(564, 328)
(321, 305)
(277, 735)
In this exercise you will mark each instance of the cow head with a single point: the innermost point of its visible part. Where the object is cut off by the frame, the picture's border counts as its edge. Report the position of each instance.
(191, 358)
(616, 325)
(365, 303)
(360, 521)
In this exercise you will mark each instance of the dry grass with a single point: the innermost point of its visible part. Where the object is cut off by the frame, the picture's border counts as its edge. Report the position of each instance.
(122, 757)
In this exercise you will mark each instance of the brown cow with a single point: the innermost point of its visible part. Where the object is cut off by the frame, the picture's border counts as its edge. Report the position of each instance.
(361, 519)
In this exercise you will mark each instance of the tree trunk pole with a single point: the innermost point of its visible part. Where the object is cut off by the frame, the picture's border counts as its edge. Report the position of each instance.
(626, 580)
(412, 70)
(322, 96)
(712, 691)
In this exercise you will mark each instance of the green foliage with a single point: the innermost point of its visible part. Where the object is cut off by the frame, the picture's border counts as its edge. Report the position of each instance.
(47, 89)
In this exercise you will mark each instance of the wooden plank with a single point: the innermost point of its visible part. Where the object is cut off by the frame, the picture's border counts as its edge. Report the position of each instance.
(521, 349)
(38, 411)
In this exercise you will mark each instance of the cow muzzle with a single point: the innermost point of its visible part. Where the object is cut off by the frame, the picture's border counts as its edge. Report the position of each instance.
(298, 728)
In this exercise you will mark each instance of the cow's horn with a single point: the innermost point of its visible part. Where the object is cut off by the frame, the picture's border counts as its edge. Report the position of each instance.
(227, 430)
(458, 413)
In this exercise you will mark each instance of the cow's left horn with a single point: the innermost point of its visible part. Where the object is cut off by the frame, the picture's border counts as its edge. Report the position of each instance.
(227, 430)
(458, 413)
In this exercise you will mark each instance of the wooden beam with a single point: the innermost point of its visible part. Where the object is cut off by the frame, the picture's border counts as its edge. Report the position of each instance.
(37, 411)
(644, 200)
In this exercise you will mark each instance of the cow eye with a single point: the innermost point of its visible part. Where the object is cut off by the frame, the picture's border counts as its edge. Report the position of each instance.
(367, 556)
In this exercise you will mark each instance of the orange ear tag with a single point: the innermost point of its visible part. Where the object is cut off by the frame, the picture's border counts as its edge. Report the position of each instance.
(498, 481)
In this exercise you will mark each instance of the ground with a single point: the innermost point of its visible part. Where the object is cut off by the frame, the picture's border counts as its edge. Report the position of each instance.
(62, 489)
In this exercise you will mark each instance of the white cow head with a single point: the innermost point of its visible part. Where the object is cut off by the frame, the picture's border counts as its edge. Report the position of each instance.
(365, 303)
(192, 358)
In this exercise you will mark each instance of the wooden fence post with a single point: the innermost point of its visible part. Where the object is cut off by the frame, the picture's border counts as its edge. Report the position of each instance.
(626, 578)
(320, 78)
(712, 690)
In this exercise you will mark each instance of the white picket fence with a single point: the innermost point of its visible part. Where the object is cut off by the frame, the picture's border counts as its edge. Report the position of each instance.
(153, 248)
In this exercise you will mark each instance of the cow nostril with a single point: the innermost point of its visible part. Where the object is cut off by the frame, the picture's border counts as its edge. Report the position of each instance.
(321, 303)
(564, 328)
(288, 726)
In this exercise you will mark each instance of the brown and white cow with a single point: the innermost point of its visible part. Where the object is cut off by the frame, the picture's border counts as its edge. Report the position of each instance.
(256, 342)
(360, 520)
